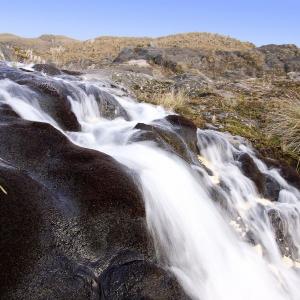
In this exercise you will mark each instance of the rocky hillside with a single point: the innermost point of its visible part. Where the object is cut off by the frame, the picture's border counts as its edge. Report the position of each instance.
(214, 80)
(252, 93)
(212, 54)
(65, 51)
(256, 62)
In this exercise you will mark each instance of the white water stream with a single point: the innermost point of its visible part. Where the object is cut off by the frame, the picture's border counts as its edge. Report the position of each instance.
(202, 244)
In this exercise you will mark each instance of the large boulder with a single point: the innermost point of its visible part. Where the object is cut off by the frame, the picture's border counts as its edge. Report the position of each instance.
(21, 223)
(51, 95)
(186, 129)
(66, 212)
(129, 276)
(69, 170)
(173, 133)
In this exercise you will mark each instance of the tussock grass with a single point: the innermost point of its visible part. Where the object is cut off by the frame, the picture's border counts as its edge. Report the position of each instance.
(284, 122)
(173, 100)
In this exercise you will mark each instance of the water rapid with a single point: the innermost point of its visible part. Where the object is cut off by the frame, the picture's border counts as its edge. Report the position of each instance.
(211, 226)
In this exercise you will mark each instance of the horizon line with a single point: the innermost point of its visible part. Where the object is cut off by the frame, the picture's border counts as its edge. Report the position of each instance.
(139, 37)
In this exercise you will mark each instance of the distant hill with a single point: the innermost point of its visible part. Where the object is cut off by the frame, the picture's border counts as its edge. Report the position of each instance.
(63, 50)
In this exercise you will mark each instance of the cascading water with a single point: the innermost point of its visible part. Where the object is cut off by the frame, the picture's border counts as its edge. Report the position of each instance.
(218, 249)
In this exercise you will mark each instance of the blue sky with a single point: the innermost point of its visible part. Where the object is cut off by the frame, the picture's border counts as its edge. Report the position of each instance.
(258, 21)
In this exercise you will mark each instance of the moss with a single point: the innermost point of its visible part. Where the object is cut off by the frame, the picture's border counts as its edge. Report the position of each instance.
(253, 109)
(188, 112)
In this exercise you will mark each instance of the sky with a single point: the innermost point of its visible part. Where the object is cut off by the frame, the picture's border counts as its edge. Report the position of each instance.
(257, 21)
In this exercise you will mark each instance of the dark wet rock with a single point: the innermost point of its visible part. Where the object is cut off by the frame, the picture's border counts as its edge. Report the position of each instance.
(165, 137)
(218, 195)
(186, 129)
(250, 169)
(71, 72)
(47, 69)
(267, 186)
(272, 188)
(51, 95)
(173, 133)
(287, 172)
(109, 107)
(282, 235)
(72, 208)
(20, 225)
(32, 266)
(7, 112)
(26, 70)
(130, 276)
(72, 171)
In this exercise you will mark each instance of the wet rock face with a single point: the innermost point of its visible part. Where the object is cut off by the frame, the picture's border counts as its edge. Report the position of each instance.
(47, 69)
(186, 129)
(282, 235)
(164, 138)
(125, 278)
(287, 172)
(109, 107)
(181, 139)
(51, 95)
(66, 212)
(94, 178)
(20, 225)
(266, 185)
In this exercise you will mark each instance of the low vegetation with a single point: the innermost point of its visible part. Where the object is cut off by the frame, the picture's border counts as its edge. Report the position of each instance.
(203, 40)
(174, 101)
(271, 125)
(284, 122)
(65, 51)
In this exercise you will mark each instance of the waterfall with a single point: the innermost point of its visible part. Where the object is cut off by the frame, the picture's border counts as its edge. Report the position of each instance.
(211, 226)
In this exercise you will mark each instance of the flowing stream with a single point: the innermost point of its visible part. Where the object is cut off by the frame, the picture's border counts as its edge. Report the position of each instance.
(217, 252)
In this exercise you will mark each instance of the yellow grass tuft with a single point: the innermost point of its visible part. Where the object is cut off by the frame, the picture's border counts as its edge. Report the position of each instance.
(285, 123)
(172, 100)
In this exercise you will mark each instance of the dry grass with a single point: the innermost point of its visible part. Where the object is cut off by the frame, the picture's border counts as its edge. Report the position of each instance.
(173, 100)
(203, 40)
(66, 51)
(284, 122)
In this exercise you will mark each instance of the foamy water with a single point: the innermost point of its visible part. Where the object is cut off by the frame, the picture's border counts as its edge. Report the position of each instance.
(205, 246)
